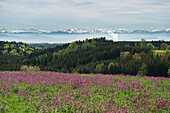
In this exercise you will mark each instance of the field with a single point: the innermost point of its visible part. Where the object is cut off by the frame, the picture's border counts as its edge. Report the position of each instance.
(160, 52)
(74, 93)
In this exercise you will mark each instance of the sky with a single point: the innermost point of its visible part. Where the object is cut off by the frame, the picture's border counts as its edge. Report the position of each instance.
(84, 13)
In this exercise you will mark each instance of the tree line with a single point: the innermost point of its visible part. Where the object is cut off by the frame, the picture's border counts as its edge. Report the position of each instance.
(99, 55)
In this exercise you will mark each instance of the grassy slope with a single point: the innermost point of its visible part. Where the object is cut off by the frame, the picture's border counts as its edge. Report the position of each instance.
(51, 91)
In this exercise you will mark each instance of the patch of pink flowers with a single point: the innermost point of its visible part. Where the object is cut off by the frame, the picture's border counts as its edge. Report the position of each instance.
(58, 92)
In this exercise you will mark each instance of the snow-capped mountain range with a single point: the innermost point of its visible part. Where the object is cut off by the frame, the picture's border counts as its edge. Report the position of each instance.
(81, 31)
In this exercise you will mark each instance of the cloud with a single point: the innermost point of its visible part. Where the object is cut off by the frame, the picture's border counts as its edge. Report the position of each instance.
(87, 11)
(89, 6)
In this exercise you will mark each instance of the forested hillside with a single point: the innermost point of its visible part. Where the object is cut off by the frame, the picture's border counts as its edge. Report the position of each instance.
(12, 54)
(13, 48)
(101, 56)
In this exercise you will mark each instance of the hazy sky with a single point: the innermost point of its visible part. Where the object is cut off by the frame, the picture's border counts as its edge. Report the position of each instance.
(83, 13)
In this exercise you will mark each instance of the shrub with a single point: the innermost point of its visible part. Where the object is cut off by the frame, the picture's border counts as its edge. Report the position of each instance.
(24, 68)
(30, 68)
(36, 68)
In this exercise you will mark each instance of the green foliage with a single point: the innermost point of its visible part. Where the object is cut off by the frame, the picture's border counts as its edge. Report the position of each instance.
(150, 45)
(143, 43)
(21, 53)
(29, 52)
(15, 49)
(24, 68)
(50, 92)
(72, 44)
(143, 70)
(5, 52)
(71, 48)
(10, 63)
(88, 57)
(87, 45)
(168, 47)
(136, 57)
(82, 69)
(87, 40)
(82, 56)
(94, 40)
(6, 46)
(164, 46)
(36, 68)
(169, 72)
(101, 68)
(13, 52)
(113, 68)
(124, 55)
(165, 60)
(30, 68)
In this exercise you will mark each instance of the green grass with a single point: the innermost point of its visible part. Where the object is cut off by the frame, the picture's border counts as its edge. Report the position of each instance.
(50, 92)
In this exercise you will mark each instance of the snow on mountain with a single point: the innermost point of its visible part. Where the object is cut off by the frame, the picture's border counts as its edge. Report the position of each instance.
(82, 31)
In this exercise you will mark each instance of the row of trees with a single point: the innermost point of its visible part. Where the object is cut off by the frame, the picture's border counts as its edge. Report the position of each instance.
(150, 65)
(96, 56)
(103, 56)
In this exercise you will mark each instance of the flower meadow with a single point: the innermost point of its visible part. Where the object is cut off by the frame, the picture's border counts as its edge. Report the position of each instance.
(53, 92)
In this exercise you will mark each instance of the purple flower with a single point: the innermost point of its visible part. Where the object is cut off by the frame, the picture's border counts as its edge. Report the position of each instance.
(44, 96)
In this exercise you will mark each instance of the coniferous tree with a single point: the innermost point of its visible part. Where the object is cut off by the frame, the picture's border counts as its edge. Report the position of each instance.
(143, 70)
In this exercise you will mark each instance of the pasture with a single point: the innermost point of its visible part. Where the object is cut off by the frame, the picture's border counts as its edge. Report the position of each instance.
(51, 92)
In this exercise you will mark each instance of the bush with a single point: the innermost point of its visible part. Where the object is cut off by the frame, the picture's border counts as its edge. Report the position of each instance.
(36, 68)
(30, 68)
(24, 68)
